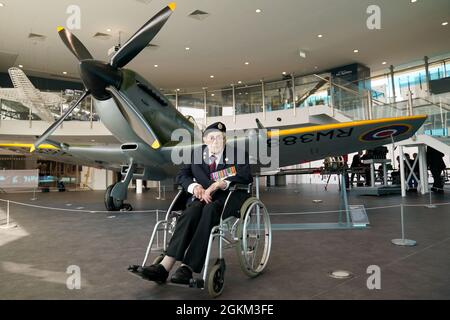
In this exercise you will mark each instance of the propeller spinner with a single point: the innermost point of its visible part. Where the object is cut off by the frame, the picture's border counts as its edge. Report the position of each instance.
(97, 75)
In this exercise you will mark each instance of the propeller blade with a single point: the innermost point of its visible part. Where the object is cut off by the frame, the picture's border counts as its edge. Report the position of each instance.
(55, 126)
(74, 44)
(142, 37)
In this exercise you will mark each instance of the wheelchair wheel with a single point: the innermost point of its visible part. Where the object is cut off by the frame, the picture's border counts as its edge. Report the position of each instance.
(216, 280)
(255, 237)
(158, 259)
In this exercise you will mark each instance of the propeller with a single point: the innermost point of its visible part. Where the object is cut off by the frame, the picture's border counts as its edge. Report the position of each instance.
(55, 126)
(98, 75)
(142, 37)
(74, 44)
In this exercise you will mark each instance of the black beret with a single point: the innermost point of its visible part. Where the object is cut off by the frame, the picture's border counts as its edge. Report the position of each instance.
(218, 126)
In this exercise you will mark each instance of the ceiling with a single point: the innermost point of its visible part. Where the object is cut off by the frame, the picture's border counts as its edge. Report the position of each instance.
(231, 35)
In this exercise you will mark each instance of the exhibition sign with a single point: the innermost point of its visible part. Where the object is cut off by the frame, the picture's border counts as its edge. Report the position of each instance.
(19, 179)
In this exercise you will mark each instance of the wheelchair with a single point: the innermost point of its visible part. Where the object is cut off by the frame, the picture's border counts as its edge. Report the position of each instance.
(250, 235)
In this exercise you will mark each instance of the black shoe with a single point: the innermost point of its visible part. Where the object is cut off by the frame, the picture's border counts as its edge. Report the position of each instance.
(155, 273)
(182, 276)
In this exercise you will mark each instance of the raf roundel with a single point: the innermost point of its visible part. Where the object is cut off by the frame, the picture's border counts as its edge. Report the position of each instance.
(385, 132)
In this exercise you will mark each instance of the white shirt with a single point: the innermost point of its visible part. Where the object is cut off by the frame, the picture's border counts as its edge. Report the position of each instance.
(192, 187)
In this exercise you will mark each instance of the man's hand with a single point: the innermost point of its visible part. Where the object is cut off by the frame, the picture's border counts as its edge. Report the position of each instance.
(222, 185)
(199, 192)
(207, 196)
(219, 185)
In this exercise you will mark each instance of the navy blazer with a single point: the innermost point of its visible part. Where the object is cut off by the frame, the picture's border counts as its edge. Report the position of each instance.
(200, 173)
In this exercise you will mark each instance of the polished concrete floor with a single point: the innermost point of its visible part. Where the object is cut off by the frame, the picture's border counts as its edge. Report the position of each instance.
(35, 257)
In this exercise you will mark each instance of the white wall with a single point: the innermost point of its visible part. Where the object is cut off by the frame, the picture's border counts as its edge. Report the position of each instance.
(96, 179)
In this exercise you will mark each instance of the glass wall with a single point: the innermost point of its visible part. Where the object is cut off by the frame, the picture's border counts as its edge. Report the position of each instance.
(192, 104)
(383, 95)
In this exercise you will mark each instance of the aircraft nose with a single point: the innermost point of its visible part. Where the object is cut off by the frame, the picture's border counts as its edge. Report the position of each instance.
(97, 75)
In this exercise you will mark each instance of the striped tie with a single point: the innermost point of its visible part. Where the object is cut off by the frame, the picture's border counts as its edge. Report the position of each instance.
(212, 165)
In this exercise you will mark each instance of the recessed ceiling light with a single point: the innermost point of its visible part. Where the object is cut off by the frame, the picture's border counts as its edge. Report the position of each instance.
(156, 66)
(445, 23)
(213, 95)
(247, 63)
(187, 48)
(212, 77)
(356, 51)
(1, 4)
(20, 65)
(412, 1)
(384, 62)
(258, 10)
(239, 82)
(178, 90)
(64, 72)
(284, 73)
(108, 30)
(320, 36)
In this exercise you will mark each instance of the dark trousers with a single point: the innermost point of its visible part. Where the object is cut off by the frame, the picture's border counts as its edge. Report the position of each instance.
(437, 177)
(189, 243)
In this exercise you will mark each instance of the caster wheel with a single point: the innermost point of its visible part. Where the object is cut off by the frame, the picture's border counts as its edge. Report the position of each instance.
(216, 280)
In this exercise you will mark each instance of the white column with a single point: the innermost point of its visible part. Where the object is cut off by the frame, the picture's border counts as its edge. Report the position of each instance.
(422, 154)
(402, 171)
(139, 186)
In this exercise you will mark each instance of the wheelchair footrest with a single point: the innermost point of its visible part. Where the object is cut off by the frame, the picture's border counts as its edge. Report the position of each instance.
(136, 271)
(197, 283)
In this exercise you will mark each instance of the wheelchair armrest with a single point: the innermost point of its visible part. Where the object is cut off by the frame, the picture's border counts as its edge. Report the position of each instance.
(241, 187)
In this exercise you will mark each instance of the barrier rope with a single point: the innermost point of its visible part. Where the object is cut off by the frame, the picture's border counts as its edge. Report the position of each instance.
(72, 210)
(272, 214)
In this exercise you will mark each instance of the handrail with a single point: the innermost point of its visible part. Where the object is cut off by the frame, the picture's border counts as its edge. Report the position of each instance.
(350, 90)
(437, 105)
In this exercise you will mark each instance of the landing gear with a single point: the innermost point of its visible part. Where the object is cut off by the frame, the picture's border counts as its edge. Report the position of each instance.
(111, 203)
(114, 204)
(117, 193)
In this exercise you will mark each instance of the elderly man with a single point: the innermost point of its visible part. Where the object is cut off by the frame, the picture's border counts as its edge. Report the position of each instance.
(207, 183)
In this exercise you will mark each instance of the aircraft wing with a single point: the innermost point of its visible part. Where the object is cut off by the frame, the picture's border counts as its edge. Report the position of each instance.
(108, 157)
(12, 94)
(296, 145)
(101, 157)
(50, 98)
(18, 95)
(305, 144)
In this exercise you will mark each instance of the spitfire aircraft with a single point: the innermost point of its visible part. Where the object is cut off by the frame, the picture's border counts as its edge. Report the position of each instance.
(142, 119)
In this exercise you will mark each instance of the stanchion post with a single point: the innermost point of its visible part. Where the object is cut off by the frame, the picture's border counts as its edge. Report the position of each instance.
(8, 225)
(403, 242)
(431, 205)
(7, 214)
(159, 191)
(34, 195)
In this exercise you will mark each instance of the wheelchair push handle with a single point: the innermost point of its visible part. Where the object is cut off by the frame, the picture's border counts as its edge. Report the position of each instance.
(241, 187)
